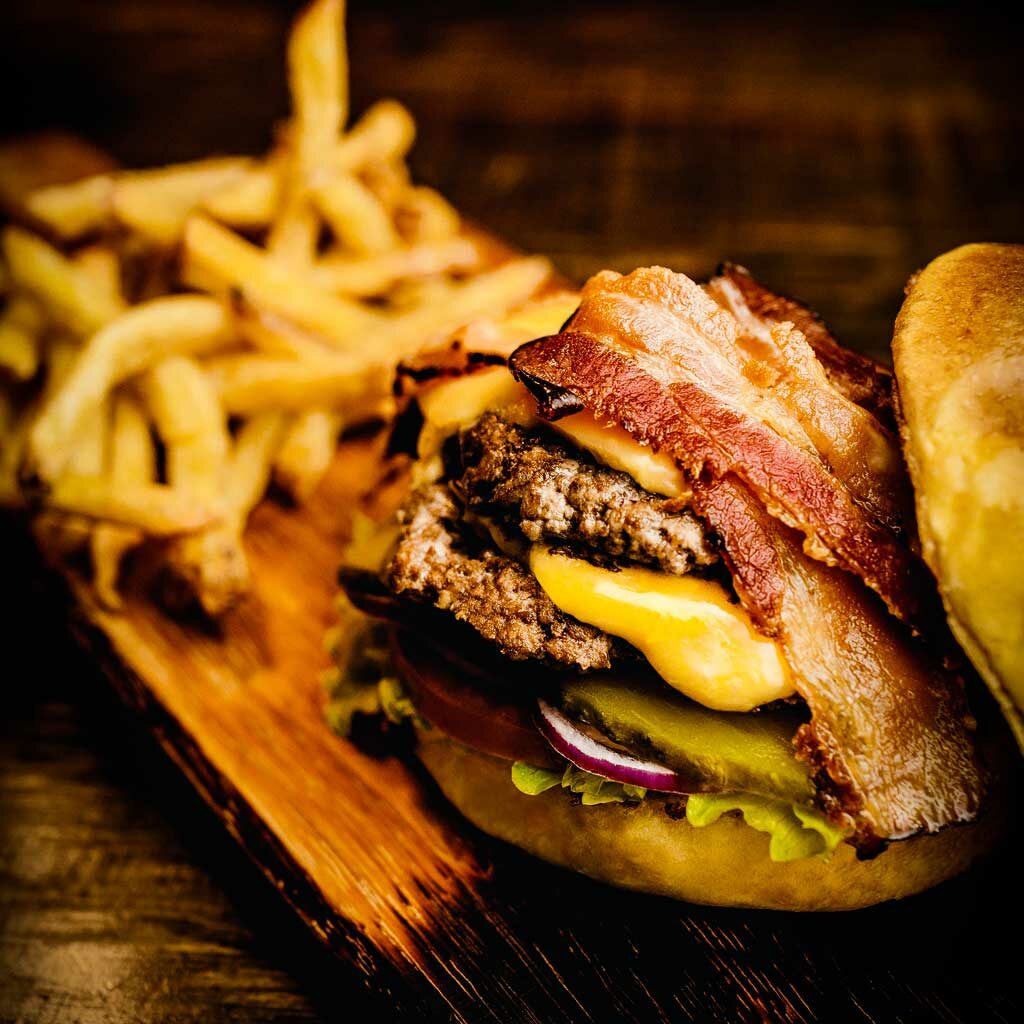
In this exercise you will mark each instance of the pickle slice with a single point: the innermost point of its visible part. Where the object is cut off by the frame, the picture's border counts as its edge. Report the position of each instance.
(721, 751)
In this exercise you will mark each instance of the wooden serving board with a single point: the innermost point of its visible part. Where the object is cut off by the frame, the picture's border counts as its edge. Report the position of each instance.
(422, 907)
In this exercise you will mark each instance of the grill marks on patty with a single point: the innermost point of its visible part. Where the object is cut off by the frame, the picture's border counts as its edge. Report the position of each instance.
(548, 494)
(494, 594)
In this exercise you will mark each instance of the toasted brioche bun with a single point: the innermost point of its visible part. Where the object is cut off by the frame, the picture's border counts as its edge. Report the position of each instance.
(724, 864)
(958, 353)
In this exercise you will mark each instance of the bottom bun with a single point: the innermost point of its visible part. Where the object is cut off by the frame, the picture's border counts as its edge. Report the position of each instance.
(724, 864)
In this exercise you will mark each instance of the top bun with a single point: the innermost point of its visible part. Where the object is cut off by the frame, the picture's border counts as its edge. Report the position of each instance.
(958, 353)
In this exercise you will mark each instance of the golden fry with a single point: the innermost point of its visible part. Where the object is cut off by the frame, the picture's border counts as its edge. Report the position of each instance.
(21, 324)
(424, 215)
(191, 423)
(178, 324)
(375, 275)
(211, 566)
(156, 509)
(250, 201)
(250, 384)
(384, 134)
(237, 264)
(102, 265)
(14, 427)
(275, 336)
(295, 233)
(76, 209)
(306, 452)
(318, 79)
(49, 158)
(356, 216)
(132, 460)
(70, 297)
(489, 294)
(157, 203)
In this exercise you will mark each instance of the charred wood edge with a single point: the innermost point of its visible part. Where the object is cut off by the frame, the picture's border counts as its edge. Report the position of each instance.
(379, 974)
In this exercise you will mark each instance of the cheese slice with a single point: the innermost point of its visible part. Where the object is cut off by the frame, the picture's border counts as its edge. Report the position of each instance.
(694, 637)
(459, 403)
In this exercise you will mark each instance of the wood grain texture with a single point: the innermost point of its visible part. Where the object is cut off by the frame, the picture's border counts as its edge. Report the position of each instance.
(833, 153)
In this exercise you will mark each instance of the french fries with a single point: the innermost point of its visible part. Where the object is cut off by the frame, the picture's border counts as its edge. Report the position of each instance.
(132, 460)
(156, 509)
(306, 452)
(173, 339)
(70, 297)
(128, 345)
(21, 325)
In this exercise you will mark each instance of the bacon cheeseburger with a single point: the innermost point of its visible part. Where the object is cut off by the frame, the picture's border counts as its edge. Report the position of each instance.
(653, 612)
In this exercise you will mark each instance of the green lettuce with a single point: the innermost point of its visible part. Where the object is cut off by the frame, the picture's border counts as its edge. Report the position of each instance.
(796, 832)
(362, 681)
(593, 789)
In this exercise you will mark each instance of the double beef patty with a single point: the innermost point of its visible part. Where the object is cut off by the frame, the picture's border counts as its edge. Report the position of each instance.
(535, 489)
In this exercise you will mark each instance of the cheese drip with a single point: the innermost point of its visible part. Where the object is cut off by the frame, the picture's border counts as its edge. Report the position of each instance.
(694, 637)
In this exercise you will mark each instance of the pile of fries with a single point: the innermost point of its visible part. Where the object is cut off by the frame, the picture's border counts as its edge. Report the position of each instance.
(173, 339)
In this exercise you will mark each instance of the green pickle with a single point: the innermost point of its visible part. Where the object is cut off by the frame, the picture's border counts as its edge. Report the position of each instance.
(720, 751)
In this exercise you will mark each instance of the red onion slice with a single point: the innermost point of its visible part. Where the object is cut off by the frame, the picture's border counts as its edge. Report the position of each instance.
(592, 756)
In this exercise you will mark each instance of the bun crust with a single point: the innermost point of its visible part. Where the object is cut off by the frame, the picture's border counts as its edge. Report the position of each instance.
(725, 864)
(958, 353)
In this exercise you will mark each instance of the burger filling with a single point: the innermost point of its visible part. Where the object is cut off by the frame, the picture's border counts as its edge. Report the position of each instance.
(540, 544)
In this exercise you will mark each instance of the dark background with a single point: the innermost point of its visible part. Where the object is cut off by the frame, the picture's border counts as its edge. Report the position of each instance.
(832, 151)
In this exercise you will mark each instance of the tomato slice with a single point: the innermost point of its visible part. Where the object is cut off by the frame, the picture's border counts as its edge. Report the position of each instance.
(449, 699)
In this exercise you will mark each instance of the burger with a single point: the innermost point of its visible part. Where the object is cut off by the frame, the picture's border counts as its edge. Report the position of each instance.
(652, 605)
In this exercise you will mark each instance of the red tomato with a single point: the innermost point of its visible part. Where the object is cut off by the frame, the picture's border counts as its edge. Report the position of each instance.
(449, 699)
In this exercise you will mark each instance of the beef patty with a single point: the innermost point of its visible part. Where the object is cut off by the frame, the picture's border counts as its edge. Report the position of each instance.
(546, 492)
(435, 562)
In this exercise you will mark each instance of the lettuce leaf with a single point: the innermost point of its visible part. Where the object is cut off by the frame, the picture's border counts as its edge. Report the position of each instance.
(796, 832)
(593, 789)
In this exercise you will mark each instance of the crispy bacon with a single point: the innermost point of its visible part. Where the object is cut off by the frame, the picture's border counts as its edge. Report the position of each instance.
(799, 483)
(653, 352)
(889, 727)
(853, 375)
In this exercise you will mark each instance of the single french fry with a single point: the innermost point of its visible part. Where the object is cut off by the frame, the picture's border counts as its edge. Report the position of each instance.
(48, 158)
(306, 451)
(250, 201)
(238, 264)
(424, 215)
(375, 275)
(132, 460)
(492, 293)
(384, 134)
(76, 209)
(249, 465)
(295, 232)
(70, 297)
(209, 565)
(357, 218)
(503, 335)
(21, 325)
(275, 336)
(249, 384)
(175, 325)
(157, 203)
(388, 180)
(318, 79)
(102, 265)
(191, 423)
(63, 534)
(156, 509)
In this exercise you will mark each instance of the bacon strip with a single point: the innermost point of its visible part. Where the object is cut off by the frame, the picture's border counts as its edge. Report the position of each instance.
(889, 728)
(653, 352)
(852, 374)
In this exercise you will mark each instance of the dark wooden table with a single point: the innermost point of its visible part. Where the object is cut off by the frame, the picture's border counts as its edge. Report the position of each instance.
(833, 153)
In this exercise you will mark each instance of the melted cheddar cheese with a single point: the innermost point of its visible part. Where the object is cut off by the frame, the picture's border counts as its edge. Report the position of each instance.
(695, 638)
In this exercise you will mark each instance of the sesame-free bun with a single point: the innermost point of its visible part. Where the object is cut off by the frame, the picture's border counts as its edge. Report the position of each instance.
(725, 864)
(958, 354)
